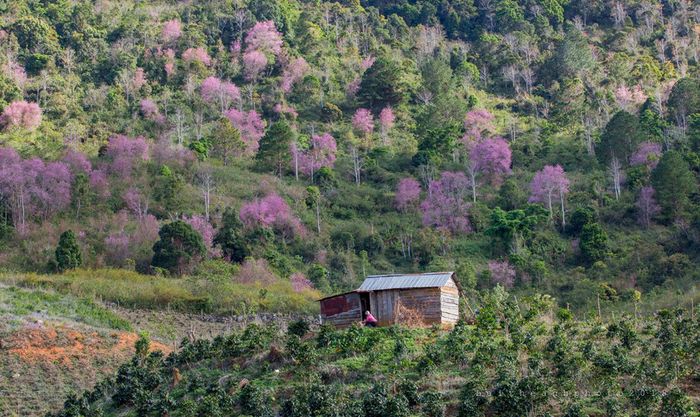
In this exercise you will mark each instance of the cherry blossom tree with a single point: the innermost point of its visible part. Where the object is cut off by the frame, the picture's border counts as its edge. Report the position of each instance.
(172, 30)
(502, 273)
(320, 154)
(254, 62)
(628, 99)
(197, 55)
(255, 271)
(136, 202)
(169, 66)
(77, 162)
(294, 72)
(138, 80)
(407, 193)
(550, 182)
(490, 158)
(300, 283)
(386, 122)
(250, 125)
(353, 87)
(446, 206)
(150, 111)
(13, 185)
(117, 248)
(273, 212)
(363, 121)
(22, 114)
(99, 183)
(16, 73)
(367, 63)
(124, 152)
(224, 93)
(284, 108)
(265, 38)
(648, 153)
(477, 123)
(32, 187)
(647, 207)
(202, 225)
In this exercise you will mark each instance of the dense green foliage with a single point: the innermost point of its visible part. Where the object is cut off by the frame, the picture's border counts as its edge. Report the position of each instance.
(519, 358)
(151, 114)
(68, 254)
(178, 248)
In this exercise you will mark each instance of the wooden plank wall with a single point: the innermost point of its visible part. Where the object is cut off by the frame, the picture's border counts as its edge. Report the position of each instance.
(449, 303)
(418, 306)
(351, 314)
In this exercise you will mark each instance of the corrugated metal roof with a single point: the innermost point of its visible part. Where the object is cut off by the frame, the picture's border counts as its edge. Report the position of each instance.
(398, 281)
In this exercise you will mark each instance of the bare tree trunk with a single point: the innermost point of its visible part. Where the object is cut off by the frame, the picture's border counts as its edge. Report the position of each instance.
(616, 172)
(563, 212)
(318, 217)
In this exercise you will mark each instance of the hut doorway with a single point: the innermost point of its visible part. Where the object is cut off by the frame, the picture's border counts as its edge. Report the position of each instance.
(364, 303)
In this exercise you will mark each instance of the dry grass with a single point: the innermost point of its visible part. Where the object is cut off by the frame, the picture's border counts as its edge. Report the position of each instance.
(192, 294)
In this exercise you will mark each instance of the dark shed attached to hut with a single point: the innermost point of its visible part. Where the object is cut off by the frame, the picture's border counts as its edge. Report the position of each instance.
(408, 299)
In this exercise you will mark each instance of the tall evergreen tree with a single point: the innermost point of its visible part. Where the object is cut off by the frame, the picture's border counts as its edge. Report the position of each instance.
(179, 248)
(619, 139)
(68, 255)
(274, 151)
(230, 237)
(673, 182)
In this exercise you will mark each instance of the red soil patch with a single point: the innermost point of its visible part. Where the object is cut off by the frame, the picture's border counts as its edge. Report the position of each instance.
(35, 343)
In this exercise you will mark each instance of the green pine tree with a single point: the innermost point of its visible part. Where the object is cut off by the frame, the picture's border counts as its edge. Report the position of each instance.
(673, 182)
(68, 254)
(179, 248)
(274, 152)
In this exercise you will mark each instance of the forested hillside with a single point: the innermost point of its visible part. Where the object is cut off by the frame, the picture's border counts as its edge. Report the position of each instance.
(541, 145)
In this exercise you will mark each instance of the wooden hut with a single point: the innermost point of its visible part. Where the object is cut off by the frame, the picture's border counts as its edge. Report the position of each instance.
(407, 299)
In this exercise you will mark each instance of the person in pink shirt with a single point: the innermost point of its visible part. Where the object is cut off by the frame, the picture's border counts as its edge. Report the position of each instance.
(369, 321)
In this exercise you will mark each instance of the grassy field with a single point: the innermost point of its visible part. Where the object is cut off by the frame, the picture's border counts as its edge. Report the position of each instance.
(211, 294)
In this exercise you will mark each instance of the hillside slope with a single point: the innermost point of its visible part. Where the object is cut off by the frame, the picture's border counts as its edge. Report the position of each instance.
(517, 359)
(542, 145)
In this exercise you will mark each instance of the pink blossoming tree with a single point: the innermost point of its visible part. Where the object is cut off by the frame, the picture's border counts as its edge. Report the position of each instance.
(251, 126)
(77, 162)
(169, 66)
(124, 153)
(255, 271)
(150, 111)
(320, 154)
(549, 183)
(407, 194)
(32, 187)
(202, 225)
(172, 30)
(446, 206)
(490, 158)
(264, 37)
(648, 153)
(223, 93)
(294, 72)
(300, 283)
(254, 62)
(386, 122)
(628, 99)
(22, 114)
(363, 121)
(273, 212)
(502, 273)
(477, 123)
(197, 55)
